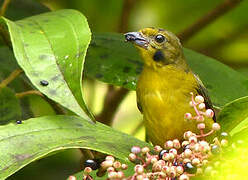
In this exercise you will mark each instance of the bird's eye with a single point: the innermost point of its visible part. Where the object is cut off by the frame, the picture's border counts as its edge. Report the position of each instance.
(159, 38)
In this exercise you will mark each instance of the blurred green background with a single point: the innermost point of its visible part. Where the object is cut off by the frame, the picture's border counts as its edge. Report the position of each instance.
(225, 39)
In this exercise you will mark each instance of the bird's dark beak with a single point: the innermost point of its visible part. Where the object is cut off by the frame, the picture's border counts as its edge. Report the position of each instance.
(136, 38)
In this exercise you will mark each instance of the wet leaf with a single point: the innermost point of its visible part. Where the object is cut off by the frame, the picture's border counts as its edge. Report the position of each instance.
(20, 144)
(113, 61)
(51, 48)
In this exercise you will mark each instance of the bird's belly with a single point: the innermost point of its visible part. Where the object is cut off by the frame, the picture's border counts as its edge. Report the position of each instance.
(164, 115)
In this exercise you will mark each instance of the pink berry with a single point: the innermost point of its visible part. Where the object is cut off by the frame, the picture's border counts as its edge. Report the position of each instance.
(72, 178)
(187, 134)
(209, 113)
(135, 149)
(201, 126)
(184, 177)
(188, 116)
(199, 99)
(216, 126)
(201, 106)
(168, 145)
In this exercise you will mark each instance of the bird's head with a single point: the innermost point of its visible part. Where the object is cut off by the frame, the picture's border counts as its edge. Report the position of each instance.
(158, 47)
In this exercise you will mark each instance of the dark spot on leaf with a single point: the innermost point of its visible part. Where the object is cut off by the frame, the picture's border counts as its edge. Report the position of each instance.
(25, 45)
(88, 138)
(55, 78)
(46, 20)
(79, 125)
(20, 25)
(32, 32)
(104, 56)
(43, 56)
(134, 61)
(34, 73)
(126, 69)
(52, 92)
(98, 75)
(44, 83)
(21, 157)
(138, 70)
(30, 24)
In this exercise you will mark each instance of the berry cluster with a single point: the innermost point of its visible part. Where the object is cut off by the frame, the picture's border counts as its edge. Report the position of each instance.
(176, 160)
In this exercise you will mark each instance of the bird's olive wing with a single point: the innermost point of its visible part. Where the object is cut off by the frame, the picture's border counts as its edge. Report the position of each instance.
(204, 92)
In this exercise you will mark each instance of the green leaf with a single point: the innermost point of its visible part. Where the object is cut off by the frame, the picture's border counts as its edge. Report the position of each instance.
(111, 60)
(52, 47)
(20, 144)
(9, 106)
(234, 114)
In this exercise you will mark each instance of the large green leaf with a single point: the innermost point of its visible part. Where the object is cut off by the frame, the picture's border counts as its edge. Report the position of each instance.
(234, 115)
(52, 47)
(111, 60)
(20, 144)
(9, 106)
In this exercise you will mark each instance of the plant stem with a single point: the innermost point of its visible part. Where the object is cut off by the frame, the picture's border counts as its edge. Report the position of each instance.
(4, 7)
(26, 93)
(114, 97)
(112, 101)
(10, 78)
(211, 16)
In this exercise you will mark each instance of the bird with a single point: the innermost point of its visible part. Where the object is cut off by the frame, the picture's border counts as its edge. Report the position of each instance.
(165, 86)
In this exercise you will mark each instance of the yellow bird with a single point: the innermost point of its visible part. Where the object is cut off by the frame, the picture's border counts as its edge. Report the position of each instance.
(164, 86)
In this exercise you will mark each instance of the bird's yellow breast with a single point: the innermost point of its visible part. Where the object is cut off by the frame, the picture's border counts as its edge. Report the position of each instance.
(164, 96)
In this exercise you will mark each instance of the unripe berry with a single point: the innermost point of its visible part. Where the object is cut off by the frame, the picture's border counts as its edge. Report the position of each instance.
(120, 174)
(106, 164)
(112, 175)
(168, 145)
(87, 170)
(187, 135)
(187, 116)
(179, 169)
(191, 104)
(184, 177)
(157, 148)
(140, 177)
(132, 157)
(209, 113)
(124, 166)
(201, 126)
(166, 156)
(176, 144)
(72, 178)
(117, 165)
(216, 126)
(201, 106)
(185, 143)
(224, 142)
(173, 151)
(195, 161)
(193, 139)
(199, 99)
(145, 150)
(154, 160)
(109, 158)
(187, 153)
(139, 169)
(110, 169)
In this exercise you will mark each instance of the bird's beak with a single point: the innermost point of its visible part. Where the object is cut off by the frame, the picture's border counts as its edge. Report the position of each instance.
(137, 38)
